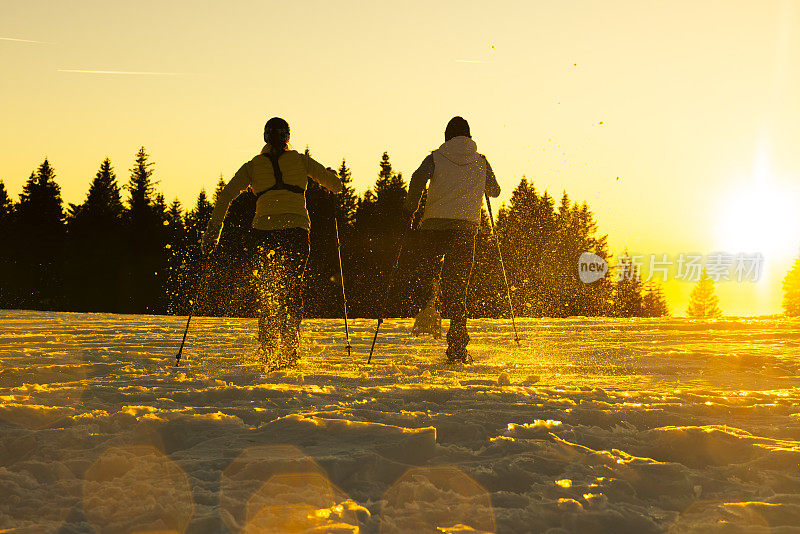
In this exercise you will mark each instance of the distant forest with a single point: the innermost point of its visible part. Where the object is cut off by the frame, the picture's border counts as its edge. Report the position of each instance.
(125, 250)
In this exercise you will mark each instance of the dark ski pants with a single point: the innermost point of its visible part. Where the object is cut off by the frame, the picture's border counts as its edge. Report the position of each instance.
(450, 253)
(281, 257)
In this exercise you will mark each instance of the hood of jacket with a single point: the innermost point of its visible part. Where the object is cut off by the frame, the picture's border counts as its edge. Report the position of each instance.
(460, 150)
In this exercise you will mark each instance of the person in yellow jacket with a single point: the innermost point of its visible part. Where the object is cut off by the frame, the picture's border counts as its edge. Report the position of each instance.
(278, 177)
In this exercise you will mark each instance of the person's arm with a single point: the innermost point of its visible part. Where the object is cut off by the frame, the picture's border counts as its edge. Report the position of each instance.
(418, 182)
(492, 187)
(323, 176)
(239, 182)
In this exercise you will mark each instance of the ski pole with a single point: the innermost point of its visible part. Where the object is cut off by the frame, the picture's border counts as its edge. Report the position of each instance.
(203, 272)
(503, 267)
(388, 289)
(341, 277)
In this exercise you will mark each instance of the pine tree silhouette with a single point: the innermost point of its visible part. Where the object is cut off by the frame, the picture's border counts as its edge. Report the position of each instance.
(6, 204)
(319, 295)
(541, 245)
(347, 200)
(390, 193)
(791, 290)
(219, 188)
(381, 227)
(654, 304)
(525, 227)
(627, 297)
(40, 246)
(145, 238)
(176, 288)
(208, 297)
(703, 301)
(95, 252)
(7, 252)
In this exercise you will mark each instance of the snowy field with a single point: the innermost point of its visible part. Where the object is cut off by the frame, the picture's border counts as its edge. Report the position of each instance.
(592, 425)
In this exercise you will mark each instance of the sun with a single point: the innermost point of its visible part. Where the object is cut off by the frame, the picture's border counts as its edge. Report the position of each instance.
(760, 218)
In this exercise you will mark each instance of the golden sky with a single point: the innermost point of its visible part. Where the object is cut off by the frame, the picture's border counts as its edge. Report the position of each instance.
(698, 100)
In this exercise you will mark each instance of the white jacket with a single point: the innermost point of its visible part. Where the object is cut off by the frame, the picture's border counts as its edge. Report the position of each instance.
(458, 182)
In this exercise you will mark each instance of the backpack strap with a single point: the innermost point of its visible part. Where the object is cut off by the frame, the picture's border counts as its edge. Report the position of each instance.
(279, 184)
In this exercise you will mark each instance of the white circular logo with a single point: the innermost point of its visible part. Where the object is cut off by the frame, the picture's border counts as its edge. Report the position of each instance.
(591, 267)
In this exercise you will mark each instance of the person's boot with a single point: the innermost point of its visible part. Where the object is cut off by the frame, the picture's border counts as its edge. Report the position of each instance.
(429, 320)
(458, 355)
(457, 341)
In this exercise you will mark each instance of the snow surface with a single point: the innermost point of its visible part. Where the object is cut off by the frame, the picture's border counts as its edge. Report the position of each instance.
(592, 425)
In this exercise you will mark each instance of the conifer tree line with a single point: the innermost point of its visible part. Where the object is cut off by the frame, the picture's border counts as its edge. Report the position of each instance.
(791, 290)
(125, 250)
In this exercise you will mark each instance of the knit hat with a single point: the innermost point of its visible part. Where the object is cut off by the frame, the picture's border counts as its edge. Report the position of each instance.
(456, 127)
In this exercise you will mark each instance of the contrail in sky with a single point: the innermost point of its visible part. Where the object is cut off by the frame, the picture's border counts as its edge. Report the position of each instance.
(23, 40)
(129, 72)
(470, 61)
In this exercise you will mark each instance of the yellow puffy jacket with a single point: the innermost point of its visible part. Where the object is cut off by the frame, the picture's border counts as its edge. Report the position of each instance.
(279, 208)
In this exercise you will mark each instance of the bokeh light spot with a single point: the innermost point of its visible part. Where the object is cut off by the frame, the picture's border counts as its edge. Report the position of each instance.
(277, 488)
(137, 489)
(436, 499)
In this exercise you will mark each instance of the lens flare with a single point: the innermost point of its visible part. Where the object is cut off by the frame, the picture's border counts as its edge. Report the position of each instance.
(436, 499)
(137, 489)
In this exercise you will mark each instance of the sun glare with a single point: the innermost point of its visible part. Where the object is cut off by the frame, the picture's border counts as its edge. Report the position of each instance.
(760, 218)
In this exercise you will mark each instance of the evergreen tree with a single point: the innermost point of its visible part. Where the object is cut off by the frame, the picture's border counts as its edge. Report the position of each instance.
(161, 257)
(6, 204)
(146, 247)
(390, 193)
(176, 286)
(196, 223)
(703, 301)
(140, 187)
(541, 245)
(197, 220)
(95, 236)
(40, 205)
(524, 227)
(654, 304)
(219, 188)
(103, 198)
(7, 252)
(347, 200)
(366, 213)
(322, 271)
(381, 228)
(628, 300)
(40, 241)
(362, 299)
(791, 290)
(345, 204)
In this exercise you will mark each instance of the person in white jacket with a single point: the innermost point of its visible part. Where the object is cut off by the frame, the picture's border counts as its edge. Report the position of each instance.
(459, 177)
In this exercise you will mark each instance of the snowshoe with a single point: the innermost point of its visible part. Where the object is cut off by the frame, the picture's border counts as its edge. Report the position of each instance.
(458, 356)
